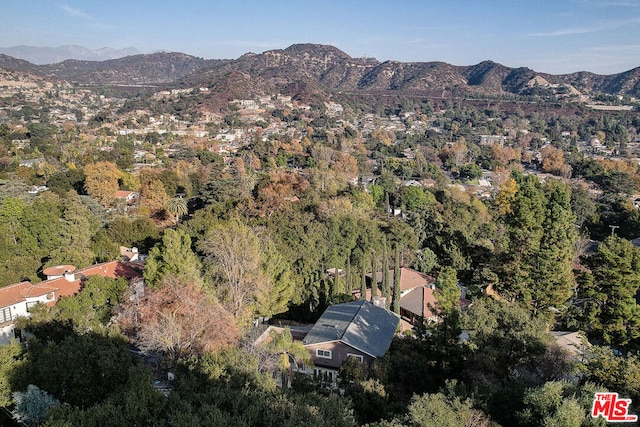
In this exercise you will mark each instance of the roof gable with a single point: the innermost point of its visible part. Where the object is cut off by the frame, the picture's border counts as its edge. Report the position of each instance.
(358, 324)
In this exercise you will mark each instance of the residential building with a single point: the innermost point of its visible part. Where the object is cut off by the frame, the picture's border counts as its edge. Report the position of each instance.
(417, 295)
(64, 280)
(356, 329)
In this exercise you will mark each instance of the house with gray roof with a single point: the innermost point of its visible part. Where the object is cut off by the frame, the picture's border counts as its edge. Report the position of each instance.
(356, 329)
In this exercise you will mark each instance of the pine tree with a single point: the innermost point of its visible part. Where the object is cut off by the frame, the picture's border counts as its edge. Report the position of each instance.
(396, 282)
(524, 232)
(552, 272)
(606, 303)
(448, 295)
(336, 283)
(172, 256)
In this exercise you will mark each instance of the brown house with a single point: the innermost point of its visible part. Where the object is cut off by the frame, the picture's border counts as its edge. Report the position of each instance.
(357, 329)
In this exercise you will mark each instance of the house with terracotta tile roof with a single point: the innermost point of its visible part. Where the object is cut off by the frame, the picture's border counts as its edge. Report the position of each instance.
(419, 304)
(63, 280)
(417, 295)
(127, 196)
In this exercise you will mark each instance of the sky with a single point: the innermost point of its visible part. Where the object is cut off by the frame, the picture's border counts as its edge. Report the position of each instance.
(551, 36)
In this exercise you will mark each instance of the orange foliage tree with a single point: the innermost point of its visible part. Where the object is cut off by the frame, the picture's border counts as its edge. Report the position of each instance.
(101, 181)
(180, 318)
(278, 190)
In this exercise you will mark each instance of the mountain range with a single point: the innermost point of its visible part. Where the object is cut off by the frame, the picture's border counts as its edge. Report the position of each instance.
(313, 68)
(52, 55)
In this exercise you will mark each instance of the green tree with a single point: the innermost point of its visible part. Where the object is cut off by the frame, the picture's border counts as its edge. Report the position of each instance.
(288, 351)
(606, 299)
(363, 279)
(94, 306)
(470, 171)
(374, 275)
(552, 275)
(524, 232)
(413, 198)
(426, 260)
(348, 286)
(10, 357)
(448, 292)
(77, 226)
(438, 410)
(503, 337)
(386, 286)
(278, 288)
(558, 403)
(104, 361)
(177, 208)
(173, 255)
(395, 304)
(141, 233)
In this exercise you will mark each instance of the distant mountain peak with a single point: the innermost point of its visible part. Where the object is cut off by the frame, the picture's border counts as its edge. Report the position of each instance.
(52, 55)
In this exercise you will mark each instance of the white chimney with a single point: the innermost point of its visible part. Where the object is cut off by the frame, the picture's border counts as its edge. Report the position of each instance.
(380, 302)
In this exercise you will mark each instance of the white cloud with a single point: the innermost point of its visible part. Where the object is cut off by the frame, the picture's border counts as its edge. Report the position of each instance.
(76, 12)
(589, 29)
(87, 18)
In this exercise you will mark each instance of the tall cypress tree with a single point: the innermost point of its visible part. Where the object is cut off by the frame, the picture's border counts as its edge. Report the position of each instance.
(363, 279)
(347, 277)
(552, 272)
(396, 282)
(386, 288)
(374, 275)
(336, 283)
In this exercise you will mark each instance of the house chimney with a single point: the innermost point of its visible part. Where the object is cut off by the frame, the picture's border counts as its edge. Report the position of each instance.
(379, 302)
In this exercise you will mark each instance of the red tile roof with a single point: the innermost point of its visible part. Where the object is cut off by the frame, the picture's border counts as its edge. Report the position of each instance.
(16, 293)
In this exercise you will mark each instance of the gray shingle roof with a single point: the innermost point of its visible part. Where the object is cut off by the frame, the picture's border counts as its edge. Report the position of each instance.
(359, 324)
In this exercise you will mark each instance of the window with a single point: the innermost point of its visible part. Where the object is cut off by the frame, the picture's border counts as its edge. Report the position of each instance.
(358, 357)
(323, 353)
(323, 374)
(5, 314)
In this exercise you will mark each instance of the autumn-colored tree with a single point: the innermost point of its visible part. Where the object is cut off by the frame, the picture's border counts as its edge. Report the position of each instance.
(278, 190)
(382, 136)
(101, 181)
(325, 180)
(346, 165)
(504, 156)
(180, 318)
(505, 196)
(553, 161)
(153, 197)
